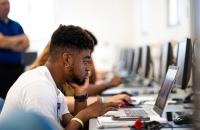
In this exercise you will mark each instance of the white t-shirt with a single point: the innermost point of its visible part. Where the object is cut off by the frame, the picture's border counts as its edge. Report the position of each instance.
(35, 90)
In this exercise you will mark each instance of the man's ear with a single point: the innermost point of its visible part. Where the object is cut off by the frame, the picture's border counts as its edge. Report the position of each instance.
(67, 59)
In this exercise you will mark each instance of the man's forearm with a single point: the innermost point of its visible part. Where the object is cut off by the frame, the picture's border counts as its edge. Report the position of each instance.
(74, 106)
(97, 89)
(16, 43)
(79, 106)
(74, 125)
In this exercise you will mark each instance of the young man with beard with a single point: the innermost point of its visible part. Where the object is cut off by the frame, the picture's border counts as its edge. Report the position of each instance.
(38, 89)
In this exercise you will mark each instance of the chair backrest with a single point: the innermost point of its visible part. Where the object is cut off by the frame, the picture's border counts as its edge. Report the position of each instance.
(19, 120)
(1, 103)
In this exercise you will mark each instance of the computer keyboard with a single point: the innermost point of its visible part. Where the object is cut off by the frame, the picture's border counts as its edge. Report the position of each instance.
(136, 113)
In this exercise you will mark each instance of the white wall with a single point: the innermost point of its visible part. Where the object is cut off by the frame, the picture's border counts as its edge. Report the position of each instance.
(151, 26)
(115, 23)
(109, 20)
(155, 22)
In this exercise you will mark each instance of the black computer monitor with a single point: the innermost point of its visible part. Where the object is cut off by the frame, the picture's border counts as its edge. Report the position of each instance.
(28, 58)
(121, 54)
(137, 60)
(195, 66)
(123, 59)
(166, 59)
(129, 62)
(183, 61)
(126, 59)
(146, 61)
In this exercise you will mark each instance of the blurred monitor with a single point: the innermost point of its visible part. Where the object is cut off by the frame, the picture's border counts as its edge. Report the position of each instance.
(125, 58)
(121, 54)
(28, 57)
(122, 59)
(129, 62)
(183, 61)
(145, 62)
(195, 66)
(166, 59)
(137, 60)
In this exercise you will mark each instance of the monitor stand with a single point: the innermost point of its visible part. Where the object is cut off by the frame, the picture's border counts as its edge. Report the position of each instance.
(189, 98)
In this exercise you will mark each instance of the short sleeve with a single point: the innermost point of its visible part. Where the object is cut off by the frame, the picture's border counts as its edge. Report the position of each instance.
(20, 29)
(64, 108)
(41, 98)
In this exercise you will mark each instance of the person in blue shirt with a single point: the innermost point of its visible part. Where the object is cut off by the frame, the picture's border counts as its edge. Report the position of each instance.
(12, 40)
(11, 33)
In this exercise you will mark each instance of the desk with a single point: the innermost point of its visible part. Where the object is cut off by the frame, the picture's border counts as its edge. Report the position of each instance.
(171, 108)
(142, 92)
(133, 90)
(93, 126)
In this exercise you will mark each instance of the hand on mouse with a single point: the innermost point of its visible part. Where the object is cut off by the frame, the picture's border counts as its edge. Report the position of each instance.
(120, 98)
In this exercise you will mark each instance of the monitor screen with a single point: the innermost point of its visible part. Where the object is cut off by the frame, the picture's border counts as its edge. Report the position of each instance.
(165, 89)
(183, 61)
(137, 60)
(195, 67)
(130, 58)
(123, 59)
(146, 62)
(166, 59)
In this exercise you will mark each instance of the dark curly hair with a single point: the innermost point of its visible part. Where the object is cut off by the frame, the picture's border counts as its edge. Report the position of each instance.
(70, 37)
(92, 36)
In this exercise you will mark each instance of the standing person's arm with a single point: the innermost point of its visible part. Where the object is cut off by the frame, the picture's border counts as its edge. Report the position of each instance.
(16, 43)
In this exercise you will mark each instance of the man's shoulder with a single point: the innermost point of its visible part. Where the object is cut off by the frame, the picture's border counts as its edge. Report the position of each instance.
(35, 80)
(14, 22)
(38, 75)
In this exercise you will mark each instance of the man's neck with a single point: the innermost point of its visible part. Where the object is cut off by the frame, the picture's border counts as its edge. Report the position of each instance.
(5, 20)
(57, 76)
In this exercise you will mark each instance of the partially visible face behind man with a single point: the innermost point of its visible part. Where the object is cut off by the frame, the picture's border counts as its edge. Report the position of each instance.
(81, 66)
(4, 9)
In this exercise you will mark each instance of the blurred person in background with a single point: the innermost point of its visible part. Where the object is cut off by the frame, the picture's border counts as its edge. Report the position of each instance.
(12, 39)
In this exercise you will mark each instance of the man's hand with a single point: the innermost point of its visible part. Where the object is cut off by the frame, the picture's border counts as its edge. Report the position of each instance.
(1, 40)
(115, 81)
(98, 109)
(80, 90)
(17, 43)
(92, 111)
(120, 98)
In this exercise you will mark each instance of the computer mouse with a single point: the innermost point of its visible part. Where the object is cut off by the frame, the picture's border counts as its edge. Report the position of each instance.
(124, 92)
(125, 105)
(149, 84)
(183, 119)
(128, 105)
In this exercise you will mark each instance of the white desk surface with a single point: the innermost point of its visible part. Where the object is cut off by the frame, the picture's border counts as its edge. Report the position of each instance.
(169, 108)
(93, 126)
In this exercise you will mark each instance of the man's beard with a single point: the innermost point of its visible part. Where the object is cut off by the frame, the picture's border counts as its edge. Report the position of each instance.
(78, 81)
(75, 78)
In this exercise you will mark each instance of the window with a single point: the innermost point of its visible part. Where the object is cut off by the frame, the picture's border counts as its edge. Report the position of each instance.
(173, 12)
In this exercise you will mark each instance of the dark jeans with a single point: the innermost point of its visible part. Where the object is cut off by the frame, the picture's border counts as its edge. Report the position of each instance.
(9, 73)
